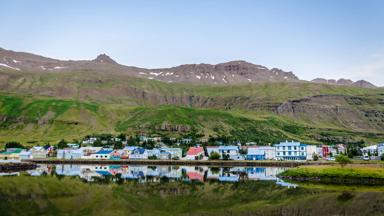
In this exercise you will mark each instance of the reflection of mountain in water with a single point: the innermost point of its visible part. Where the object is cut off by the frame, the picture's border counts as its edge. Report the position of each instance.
(143, 173)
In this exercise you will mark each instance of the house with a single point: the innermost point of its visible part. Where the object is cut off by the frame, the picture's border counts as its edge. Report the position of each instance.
(89, 141)
(370, 150)
(11, 154)
(139, 153)
(153, 153)
(116, 154)
(70, 153)
(38, 152)
(164, 155)
(195, 153)
(270, 152)
(25, 155)
(291, 151)
(230, 152)
(211, 149)
(254, 153)
(311, 151)
(176, 153)
(103, 154)
(88, 151)
(380, 149)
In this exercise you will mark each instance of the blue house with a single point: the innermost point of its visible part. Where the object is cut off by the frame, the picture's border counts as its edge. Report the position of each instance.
(255, 154)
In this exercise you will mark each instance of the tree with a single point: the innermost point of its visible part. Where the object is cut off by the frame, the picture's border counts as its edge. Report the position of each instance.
(214, 156)
(342, 160)
(315, 157)
(118, 145)
(13, 145)
(382, 157)
(225, 156)
(62, 144)
(132, 141)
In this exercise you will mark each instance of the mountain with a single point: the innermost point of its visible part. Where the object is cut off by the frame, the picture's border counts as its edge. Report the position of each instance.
(43, 100)
(234, 72)
(346, 82)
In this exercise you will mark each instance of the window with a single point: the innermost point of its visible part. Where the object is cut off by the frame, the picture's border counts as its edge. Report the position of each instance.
(295, 148)
(289, 147)
(289, 153)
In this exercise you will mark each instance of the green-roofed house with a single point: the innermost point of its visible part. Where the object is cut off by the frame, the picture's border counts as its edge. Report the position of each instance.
(11, 154)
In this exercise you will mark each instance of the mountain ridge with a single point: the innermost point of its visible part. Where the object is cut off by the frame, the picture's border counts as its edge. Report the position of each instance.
(227, 73)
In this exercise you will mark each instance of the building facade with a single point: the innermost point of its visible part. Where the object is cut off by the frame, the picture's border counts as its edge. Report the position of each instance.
(291, 151)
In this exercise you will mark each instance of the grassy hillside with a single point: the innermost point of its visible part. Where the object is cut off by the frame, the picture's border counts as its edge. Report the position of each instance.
(45, 107)
(39, 120)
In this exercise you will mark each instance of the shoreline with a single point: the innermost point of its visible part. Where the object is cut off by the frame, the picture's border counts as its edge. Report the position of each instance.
(175, 162)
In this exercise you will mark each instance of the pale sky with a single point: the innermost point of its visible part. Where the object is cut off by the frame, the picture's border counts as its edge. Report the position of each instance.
(323, 38)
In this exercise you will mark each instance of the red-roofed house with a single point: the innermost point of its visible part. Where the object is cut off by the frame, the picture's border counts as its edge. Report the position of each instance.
(195, 153)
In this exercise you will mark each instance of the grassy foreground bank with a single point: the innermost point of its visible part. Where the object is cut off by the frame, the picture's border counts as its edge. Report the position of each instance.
(51, 195)
(354, 173)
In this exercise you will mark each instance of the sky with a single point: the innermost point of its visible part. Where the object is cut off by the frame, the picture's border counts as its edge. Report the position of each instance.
(322, 38)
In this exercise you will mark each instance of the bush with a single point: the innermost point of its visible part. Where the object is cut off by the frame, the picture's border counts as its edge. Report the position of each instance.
(153, 157)
(214, 156)
(62, 144)
(342, 160)
(382, 157)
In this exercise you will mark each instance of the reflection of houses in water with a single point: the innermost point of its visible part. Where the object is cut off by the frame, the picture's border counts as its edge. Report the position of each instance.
(143, 173)
(286, 184)
(68, 170)
(9, 173)
(195, 173)
(262, 173)
(42, 169)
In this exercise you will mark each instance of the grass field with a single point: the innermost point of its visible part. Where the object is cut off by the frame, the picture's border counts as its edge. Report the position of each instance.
(49, 195)
(336, 172)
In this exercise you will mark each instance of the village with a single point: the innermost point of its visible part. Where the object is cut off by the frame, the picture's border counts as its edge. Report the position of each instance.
(154, 148)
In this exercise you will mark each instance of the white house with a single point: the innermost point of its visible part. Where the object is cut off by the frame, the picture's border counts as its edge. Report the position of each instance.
(232, 152)
(291, 151)
(195, 153)
(38, 152)
(270, 152)
(380, 149)
(311, 151)
(175, 152)
(70, 153)
(104, 154)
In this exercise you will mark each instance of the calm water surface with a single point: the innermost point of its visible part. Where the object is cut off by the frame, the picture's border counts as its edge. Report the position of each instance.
(151, 173)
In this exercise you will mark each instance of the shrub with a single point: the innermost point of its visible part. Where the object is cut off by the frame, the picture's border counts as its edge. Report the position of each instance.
(214, 156)
(342, 160)
(13, 145)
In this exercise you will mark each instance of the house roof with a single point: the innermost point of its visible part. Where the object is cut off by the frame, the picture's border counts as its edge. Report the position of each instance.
(290, 144)
(255, 151)
(12, 151)
(195, 150)
(226, 148)
(104, 151)
(139, 151)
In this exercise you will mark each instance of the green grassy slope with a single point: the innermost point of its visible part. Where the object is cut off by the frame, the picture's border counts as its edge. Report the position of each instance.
(45, 107)
(38, 120)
